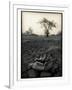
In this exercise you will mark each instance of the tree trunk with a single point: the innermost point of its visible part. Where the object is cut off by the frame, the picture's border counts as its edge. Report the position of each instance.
(47, 33)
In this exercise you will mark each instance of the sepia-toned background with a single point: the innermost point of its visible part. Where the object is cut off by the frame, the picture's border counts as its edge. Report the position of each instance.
(31, 19)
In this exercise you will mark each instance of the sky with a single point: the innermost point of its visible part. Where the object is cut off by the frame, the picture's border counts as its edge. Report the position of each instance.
(31, 19)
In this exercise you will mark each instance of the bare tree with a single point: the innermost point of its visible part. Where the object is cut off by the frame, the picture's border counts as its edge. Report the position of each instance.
(48, 25)
(29, 31)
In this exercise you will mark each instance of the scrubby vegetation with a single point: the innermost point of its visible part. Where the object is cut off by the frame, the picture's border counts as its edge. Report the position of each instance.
(33, 48)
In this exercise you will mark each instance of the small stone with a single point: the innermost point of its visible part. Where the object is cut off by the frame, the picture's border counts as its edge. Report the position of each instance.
(45, 74)
(30, 65)
(38, 66)
(58, 74)
(32, 73)
(54, 68)
(48, 66)
(24, 75)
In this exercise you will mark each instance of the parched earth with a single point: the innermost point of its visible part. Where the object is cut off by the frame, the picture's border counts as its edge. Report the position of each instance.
(36, 47)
